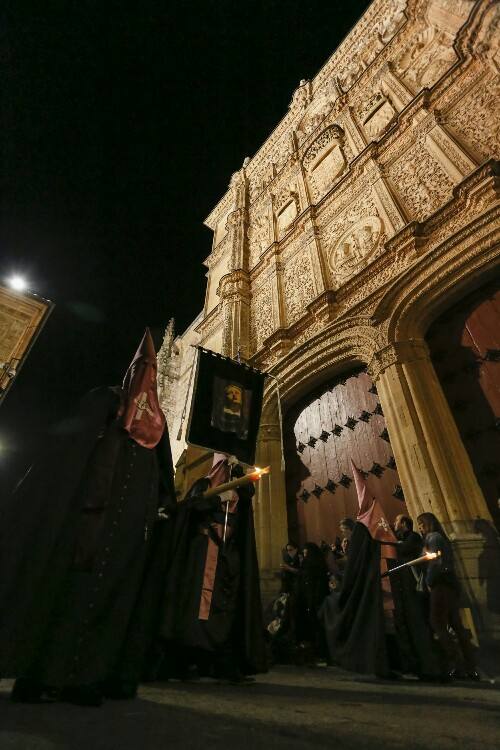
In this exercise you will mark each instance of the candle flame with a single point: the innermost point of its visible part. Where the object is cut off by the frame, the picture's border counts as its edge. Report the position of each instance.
(432, 555)
(257, 473)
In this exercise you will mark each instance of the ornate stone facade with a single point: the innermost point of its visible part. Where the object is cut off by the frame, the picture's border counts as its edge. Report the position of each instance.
(22, 317)
(371, 205)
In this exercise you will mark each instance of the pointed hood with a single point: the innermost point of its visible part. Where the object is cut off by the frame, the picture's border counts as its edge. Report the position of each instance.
(220, 471)
(141, 415)
(371, 513)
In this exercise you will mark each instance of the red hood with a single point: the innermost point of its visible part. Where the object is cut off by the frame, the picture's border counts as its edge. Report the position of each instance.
(141, 415)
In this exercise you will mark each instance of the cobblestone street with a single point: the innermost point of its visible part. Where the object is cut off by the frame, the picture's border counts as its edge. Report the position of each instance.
(288, 708)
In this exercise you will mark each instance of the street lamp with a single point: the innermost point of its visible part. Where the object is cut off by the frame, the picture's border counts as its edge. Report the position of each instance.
(18, 283)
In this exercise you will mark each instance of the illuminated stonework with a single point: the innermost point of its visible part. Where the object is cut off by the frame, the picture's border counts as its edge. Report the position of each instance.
(351, 229)
(22, 316)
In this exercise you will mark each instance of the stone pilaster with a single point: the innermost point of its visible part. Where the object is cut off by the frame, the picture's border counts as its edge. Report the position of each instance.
(392, 86)
(270, 505)
(435, 470)
(235, 296)
(389, 208)
(434, 467)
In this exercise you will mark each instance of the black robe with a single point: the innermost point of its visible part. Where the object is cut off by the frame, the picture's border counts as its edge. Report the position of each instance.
(355, 625)
(236, 612)
(83, 558)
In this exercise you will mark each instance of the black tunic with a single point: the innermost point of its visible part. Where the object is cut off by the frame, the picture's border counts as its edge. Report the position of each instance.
(355, 627)
(235, 618)
(83, 560)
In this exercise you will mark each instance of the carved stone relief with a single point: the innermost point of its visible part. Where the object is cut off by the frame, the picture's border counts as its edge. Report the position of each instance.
(426, 59)
(475, 119)
(448, 15)
(325, 160)
(286, 208)
(298, 286)
(376, 115)
(420, 181)
(388, 26)
(356, 246)
(261, 316)
(385, 29)
(312, 119)
(259, 237)
(301, 96)
(488, 43)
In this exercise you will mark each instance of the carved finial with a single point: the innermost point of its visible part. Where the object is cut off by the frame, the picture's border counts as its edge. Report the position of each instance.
(302, 95)
(164, 354)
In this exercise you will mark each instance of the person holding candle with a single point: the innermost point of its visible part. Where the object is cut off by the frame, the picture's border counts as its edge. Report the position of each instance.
(444, 588)
(213, 613)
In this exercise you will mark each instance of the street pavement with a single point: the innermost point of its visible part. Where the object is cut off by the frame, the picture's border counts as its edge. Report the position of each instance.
(288, 708)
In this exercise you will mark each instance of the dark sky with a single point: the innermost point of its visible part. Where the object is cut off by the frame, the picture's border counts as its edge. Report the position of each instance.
(122, 123)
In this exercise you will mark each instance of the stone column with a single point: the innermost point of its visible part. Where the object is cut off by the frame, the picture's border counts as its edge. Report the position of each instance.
(271, 522)
(234, 287)
(235, 297)
(434, 466)
(435, 470)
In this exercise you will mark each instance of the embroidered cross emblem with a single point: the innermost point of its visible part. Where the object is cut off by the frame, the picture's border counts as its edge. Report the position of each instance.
(142, 405)
(383, 523)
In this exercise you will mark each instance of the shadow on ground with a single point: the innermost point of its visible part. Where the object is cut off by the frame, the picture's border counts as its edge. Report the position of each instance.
(289, 708)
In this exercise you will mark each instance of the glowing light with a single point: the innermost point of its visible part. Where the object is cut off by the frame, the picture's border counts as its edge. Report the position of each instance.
(18, 283)
(432, 555)
(257, 473)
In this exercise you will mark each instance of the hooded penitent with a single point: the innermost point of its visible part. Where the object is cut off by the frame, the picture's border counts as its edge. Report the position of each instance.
(212, 601)
(375, 628)
(141, 415)
(373, 517)
(83, 555)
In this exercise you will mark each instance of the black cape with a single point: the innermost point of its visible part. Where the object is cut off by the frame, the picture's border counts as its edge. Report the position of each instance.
(354, 621)
(83, 559)
(179, 623)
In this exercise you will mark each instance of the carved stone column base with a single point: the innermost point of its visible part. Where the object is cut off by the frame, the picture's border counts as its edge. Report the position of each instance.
(477, 554)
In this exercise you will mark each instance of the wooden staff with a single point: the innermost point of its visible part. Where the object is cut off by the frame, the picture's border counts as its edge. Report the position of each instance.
(425, 558)
(252, 476)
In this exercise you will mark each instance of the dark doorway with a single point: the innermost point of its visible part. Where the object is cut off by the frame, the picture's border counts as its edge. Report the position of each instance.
(465, 349)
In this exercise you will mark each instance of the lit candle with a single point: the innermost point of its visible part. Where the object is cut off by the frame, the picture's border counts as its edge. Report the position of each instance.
(252, 476)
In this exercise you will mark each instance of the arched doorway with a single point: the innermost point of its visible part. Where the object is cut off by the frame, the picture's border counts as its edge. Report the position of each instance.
(465, 349)
(341, 420)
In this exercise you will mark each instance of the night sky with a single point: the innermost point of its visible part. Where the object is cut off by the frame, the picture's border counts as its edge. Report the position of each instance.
(122, 123)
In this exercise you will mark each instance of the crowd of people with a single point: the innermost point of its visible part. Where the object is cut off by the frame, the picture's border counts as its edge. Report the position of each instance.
(423, 632)
(106, 579)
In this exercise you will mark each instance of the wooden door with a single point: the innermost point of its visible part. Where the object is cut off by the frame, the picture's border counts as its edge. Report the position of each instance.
(465, 349)
(342, 420)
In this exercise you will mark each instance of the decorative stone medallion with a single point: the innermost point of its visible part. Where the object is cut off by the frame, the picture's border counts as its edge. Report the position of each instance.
(355, 247)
